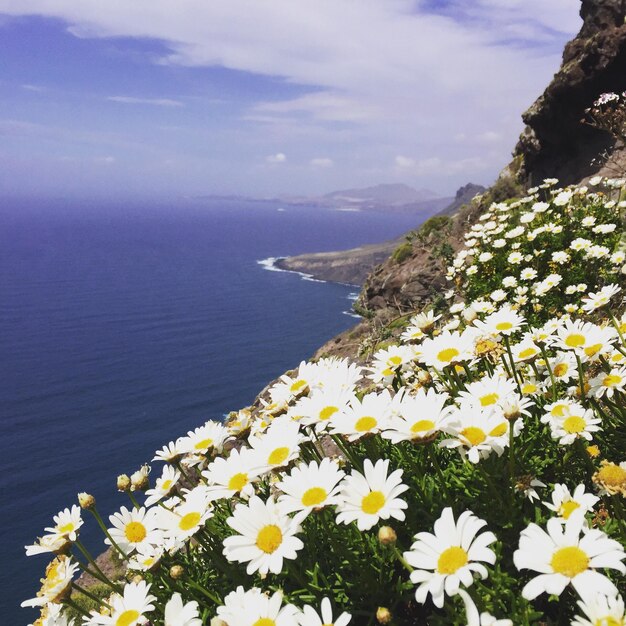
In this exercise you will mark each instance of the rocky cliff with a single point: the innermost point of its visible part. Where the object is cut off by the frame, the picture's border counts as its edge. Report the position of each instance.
(555, 142)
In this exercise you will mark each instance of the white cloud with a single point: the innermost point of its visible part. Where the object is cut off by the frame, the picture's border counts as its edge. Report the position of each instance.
(404, 162)
(162, 102)
(36, 88)
(106, 160)
(279, 157)
(403, 77)
(322, 162)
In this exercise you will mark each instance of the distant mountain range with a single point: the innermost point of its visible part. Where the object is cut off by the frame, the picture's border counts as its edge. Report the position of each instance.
(381, 198)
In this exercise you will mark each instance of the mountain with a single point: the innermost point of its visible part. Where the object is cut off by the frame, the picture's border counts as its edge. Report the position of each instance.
(353, 266)
(390, 194)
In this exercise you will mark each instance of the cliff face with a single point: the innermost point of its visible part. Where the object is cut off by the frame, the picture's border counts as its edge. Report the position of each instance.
(555, 143)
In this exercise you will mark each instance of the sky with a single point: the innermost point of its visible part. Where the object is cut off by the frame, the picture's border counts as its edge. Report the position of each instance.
(169, 98)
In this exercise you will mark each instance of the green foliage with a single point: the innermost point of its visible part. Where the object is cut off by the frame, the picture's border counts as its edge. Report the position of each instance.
(402, 252)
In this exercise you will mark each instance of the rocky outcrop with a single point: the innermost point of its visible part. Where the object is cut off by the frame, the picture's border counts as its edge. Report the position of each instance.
(556, 143)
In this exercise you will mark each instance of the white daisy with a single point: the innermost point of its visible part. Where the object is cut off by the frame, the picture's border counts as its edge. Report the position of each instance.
(564, 504)
(574, 423)
(211, 436)
(601, 610)
(133, 530)
(310, 486)
(128, 609)
(318, 408)
(278, 446)
(562, 557)
(607, 384)
(254, 608)
(363, 417)
(163, 486)
(371, 496)
(187, 517)
(235, 474)
(266, 536)
(447, 559)
(56, 584)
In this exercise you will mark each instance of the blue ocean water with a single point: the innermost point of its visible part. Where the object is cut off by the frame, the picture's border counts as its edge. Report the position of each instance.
(123, 327)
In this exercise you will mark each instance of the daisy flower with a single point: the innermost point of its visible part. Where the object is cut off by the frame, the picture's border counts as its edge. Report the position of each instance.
(179, 614)
(505, 321)
(488, 391)
(128, 609)
(447, 559)
(573, 424)
(419, 416)
(211, 436)
(388, 362)
(67, 523)
(564, 366)
(187, 517)
(266, 536)
(525, 350)
(363, 417)
(562, 557)
(600, 298)
(235, 474)
(607, 384)
(611, 478)
(601, 610)
(318, 408)
(478, 433)
(145, 559)
(310, 486)
(446, 349)
(53, 615)
(310, 617)
(371, 496)
(133, 530)
(290, 387)
(564, 504)
(48, 543)
(163, 485)
(278, 446)
(57, 582)
(253, 607)
(170, 452)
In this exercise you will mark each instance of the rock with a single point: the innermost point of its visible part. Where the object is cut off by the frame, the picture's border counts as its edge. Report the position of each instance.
(555, 142)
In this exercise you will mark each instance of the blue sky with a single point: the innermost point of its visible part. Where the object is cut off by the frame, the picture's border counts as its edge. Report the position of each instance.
(184, 97)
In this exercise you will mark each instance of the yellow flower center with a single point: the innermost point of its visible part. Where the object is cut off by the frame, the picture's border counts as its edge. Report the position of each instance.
(278, 456)
(394, 360)
(421, 426)
(189, 521)
(575, 340)
(569, 561)
(612, 475)
(135, 532)
(527, 353)
(611, 380)
(445, 356)
(593, 451)
(314, 496)
(238, 481)
(264, 621)
(474, 435)
(365, 423)
(298, 385)
(165, 486)
(373, 502)
(451, 559)
(67, 528)
(608, 621)
(127, 618)
(560, 369)
(204, 444)
(269, 538)
(567, 508)
(488, 399)
(327, 412)
(593, 350)
(499, 430)
(504, 326)
(529, 388)
(559, 410)
(574, 424)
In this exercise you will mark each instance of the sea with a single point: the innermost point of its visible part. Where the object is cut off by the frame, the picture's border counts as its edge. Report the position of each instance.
(123, 326)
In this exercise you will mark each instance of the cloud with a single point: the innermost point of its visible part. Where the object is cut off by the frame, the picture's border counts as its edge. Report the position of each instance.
(322, 162)
(279, 157)
(36, 88)
(404, 162)
(106, 160)
(161, 102)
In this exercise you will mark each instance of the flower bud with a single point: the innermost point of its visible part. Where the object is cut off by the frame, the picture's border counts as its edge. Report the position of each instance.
(86, 500)
(216, 621)
(139, 480)
(123, 482)
(137, 578)
(387, 536)
(383, 615)
(177, 571)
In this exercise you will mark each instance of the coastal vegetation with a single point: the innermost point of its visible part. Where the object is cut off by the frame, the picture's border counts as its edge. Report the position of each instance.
(470, 472)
